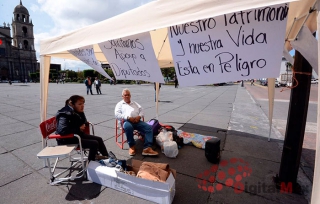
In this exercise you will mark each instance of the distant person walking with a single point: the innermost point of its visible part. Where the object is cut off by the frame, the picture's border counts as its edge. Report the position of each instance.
(88, 84)
(167, 79)
(176, 84)
(155, 92)
(113, 81)
(252, 82)
(97, 84)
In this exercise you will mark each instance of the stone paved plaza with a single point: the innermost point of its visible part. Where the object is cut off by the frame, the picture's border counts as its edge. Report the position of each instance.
(227, 112)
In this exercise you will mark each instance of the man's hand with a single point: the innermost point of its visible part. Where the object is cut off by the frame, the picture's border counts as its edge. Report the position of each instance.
(137, 119)
(134, 119)
(82, 127)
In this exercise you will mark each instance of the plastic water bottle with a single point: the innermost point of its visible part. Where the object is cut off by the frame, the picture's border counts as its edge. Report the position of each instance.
(165, 138)
(165, 132)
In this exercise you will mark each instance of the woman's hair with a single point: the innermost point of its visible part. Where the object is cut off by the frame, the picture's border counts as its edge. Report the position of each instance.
(73, 99)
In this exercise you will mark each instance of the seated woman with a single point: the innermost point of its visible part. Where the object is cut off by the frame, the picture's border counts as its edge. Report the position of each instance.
(72, 120)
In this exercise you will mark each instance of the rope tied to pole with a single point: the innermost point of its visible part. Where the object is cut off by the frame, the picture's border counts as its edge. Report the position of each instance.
(294, 79)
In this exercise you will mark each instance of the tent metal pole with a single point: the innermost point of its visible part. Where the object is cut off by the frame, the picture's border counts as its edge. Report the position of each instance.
(44, 84)
(271, 89)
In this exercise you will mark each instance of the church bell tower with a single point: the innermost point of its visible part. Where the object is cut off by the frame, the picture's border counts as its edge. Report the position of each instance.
(22, 29)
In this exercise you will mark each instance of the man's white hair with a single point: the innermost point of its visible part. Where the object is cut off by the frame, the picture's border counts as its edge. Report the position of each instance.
(125, 90)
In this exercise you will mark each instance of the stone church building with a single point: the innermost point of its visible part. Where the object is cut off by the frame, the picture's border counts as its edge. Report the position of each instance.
(17, 53)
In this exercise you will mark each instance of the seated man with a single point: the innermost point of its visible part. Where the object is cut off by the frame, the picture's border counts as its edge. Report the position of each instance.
(131, 113)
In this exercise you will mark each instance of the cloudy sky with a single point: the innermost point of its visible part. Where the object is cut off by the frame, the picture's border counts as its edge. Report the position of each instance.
(55, 17)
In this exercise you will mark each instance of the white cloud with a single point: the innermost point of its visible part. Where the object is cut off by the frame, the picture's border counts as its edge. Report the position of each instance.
(70, 64)
(34, 8)
(71, 15)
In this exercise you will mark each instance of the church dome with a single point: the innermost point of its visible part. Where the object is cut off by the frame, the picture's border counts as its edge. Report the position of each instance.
(21, 9)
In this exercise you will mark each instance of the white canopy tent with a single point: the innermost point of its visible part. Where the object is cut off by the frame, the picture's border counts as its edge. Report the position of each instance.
(155, 17)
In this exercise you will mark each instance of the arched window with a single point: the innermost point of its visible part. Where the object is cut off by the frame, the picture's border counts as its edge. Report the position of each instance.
(25, 31)
(25, 44)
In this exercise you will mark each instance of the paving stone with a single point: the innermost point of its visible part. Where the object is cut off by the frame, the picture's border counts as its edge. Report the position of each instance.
(253, 175)
(2, 150)
(253, 146)
(28, 155)
(21, 139)
(4, 120)
(12, 168)
(12, 128)
(32, 188)
(226, 110)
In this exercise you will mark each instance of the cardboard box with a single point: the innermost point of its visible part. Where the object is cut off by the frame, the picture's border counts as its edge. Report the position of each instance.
(159, 192)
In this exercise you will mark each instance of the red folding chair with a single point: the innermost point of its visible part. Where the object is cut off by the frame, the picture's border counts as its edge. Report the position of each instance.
(120, 141)
(47, 128)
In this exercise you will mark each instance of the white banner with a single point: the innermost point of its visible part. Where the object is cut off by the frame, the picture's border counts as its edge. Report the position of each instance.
(133, 58)
(307, 45)
(86, 55)
(236, 46)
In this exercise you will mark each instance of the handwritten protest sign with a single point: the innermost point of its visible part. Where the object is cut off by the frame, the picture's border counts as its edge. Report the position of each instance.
(133, 58)
(86, 55)
(236, 46)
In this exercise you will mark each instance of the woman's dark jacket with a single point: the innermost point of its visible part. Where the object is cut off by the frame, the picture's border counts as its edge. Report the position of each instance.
(69, 121)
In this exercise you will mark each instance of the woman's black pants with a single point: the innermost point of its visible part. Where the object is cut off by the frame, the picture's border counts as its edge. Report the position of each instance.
(94, 143)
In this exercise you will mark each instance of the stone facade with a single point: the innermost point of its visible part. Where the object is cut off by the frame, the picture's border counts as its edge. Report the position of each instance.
(17, 53)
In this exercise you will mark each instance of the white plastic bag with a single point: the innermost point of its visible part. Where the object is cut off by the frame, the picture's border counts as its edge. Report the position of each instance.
(162, 137)
(170, 149)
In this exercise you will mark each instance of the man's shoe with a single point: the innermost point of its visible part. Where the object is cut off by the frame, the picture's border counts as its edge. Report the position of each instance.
(100, 157)
(132, 151)
(149, 152)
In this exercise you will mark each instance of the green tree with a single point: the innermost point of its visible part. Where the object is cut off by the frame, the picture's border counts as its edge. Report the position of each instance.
(89, 72)
(80, 75)
(109, 72)
(63, 74)
(288, 65)
(53, 74)
(168, 72)
(71, 74)
(33, 76)
(97, 74)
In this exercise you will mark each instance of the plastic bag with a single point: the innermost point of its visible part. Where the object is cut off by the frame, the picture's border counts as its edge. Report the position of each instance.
(170, 149)
(162, 137)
